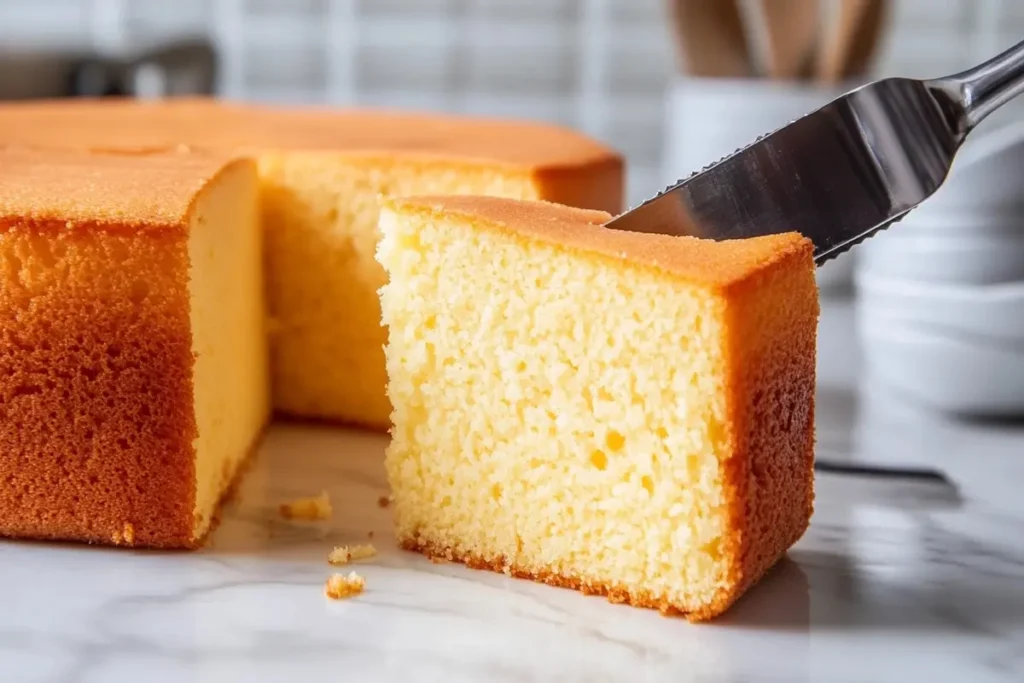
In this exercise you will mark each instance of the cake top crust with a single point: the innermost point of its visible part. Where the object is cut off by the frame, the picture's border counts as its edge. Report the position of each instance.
(204, 122)
(139, 189)
(700, 261)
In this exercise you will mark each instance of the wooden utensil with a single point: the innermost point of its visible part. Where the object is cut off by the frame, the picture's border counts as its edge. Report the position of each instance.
(866, 39)
(851, 40)
(710, 38)
(790, 36)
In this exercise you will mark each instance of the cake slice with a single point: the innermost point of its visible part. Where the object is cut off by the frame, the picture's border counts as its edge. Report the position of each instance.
(322, 171)
(625, 414)
(133, 378)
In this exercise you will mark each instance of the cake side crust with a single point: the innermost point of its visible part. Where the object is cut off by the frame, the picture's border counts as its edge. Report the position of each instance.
(770, 475)
(231, 489)
(96, 422)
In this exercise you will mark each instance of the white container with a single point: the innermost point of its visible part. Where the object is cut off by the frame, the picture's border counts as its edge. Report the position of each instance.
(971, 231)
(709, 118)
(986, 176)
(991, 313)
(964, 257)
(941, 222)
(940, 295)
(945, 372)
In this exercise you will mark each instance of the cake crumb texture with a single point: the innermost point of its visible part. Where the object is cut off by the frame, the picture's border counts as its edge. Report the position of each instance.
(345, 554)
(320, 215)
(624, 414)
(339, 556)
(314, 508)
(341, 586)
(124, 537)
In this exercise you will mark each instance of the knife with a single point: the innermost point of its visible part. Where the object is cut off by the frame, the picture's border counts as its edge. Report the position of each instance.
(841, 173)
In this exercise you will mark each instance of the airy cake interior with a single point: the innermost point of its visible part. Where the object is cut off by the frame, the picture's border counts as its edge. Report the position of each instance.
(228, 321)
(321, 212)
(586, 419)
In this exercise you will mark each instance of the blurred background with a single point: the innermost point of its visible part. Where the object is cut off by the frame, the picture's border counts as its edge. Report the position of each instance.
(605, 67)
(673, 84)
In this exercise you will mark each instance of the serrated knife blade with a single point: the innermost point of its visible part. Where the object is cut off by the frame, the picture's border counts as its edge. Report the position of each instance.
(841, 173)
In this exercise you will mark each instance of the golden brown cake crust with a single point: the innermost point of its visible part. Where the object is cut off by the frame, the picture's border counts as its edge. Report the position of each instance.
(142, 190)
(704, 262)
(114, 123)
(771, 421)
(570, 168)
(96, 420)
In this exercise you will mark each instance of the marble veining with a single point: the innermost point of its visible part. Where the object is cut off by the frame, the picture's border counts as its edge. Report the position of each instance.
(896, 580)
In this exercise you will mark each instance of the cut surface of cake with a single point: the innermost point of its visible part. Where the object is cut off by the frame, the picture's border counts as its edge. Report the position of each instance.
(625, 414)
(322, 172)
(133, 362)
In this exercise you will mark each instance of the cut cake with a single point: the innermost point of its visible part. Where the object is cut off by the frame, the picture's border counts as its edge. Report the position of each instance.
(133, 363)
(321, 173)
(625, 414)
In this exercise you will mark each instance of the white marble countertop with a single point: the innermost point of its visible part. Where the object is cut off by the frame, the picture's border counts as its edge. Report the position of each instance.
(894, 581)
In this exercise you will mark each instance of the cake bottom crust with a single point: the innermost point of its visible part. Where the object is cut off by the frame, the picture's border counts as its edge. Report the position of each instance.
(614, 593)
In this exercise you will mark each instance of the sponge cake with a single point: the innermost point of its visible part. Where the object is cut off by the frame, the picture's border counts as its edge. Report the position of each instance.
(133, 368)
(625, 414)
(322, 172)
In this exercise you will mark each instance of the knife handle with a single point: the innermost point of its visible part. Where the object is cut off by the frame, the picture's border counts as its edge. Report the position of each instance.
(985, 88)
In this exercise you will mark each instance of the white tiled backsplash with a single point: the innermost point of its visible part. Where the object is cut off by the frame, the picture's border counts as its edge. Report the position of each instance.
(598, 65)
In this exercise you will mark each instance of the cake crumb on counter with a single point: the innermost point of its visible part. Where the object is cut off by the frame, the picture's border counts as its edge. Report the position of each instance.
(318, 507)
(345, 554)
(384, 501)
(340, 586)
(125, 536)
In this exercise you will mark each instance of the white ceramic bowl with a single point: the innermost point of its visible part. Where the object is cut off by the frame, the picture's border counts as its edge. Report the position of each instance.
(972, 230)
(943, 223)
(944, 372)
(987, 174)
(991, 312)
(960, 258)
